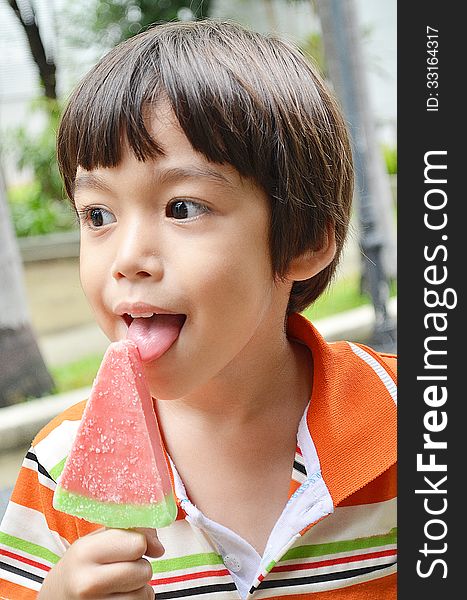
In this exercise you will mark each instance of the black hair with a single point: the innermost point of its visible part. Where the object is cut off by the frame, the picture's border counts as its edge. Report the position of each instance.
(242, 98)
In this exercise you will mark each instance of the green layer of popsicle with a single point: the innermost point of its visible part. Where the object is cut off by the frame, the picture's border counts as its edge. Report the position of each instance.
(110, 514)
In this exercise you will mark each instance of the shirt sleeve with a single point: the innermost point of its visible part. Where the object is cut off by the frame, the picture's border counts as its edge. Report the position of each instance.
(33, 535)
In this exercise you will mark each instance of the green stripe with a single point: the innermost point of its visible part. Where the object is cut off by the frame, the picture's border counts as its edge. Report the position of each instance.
(57, 470)
(28, 547)
(270, 566)
(207, 559)
(344, 546)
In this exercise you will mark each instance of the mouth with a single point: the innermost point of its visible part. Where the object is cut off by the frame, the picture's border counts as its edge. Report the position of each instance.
(153, 332)
(152, 318)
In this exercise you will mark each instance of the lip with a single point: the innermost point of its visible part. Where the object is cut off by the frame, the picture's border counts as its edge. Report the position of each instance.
(127, 309)
(141, 308)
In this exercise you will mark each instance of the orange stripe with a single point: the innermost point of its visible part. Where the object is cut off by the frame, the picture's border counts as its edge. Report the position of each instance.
(74, 413)
(84, 527)
(25, 491)
(11, 591)
(380, 489)
(28, 492)
(384, 588)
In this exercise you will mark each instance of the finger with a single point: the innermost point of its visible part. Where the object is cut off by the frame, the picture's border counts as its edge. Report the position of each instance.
(115, 545)
(154, 548)
(145, 593)
(98, 530)
(125, 577)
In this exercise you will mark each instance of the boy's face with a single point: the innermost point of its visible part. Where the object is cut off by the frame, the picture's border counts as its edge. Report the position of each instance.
(184, 236)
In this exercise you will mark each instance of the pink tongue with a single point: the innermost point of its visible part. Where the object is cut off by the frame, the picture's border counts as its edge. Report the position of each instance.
(155, 335)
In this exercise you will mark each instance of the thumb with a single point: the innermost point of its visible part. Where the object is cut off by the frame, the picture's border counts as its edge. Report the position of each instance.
(154, 548)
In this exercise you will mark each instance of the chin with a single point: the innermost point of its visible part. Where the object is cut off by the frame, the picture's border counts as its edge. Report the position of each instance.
(170, 388)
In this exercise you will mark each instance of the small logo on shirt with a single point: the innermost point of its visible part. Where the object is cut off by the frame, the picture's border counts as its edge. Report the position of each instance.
(309, 481)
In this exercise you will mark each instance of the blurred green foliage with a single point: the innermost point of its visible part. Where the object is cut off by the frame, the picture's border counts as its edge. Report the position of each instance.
(38, 207)
(107, 22)
(390, 158)
(313, 49)
(77, 374)
(32, 215)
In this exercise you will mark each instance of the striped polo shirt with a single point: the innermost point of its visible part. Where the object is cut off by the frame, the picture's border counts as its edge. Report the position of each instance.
(335, 539)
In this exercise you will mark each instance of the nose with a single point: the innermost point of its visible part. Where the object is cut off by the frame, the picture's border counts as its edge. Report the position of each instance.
(137, 256)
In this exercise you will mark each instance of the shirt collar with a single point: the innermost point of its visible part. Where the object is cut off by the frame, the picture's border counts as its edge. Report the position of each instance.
(352, 416)
(345, 439)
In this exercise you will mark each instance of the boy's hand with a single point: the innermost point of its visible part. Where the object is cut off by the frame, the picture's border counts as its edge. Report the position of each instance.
(105, 564)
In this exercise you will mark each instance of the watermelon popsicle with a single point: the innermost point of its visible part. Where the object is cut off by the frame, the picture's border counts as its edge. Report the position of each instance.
(116, 473)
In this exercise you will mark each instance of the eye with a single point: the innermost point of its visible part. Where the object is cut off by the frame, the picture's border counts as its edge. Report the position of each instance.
(97, 217)
(185, 209)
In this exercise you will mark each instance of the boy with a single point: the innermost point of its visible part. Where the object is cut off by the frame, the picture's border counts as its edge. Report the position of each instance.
(211, 172)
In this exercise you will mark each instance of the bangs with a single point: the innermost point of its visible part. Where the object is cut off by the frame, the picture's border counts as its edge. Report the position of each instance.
(229, 90)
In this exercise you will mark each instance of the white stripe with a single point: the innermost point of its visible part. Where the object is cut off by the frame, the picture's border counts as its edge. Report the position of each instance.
(24, 581)
(336, 568)
(331, 556)
(181, 534)
(22, 565)
(31, 525)
(352, 522)
(378, 369)
(323, 586)
(27, 555)
(30, 464)
(222, 579)
(189, 571)
(56, 446)
(298, 457)
(298, 476)
(209, 595)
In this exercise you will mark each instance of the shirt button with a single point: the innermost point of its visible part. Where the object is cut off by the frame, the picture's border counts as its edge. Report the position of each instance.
(232, 563)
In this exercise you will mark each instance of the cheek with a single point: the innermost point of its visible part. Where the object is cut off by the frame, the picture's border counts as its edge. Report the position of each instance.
(232, 275)
(91, 277)
(83, 274)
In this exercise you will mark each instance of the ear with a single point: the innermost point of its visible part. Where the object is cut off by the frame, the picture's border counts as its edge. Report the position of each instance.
(311, 262)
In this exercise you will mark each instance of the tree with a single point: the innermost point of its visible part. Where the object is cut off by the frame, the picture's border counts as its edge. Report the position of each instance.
(341, 37)
(22, 370)
(27, 17)
(105, 23)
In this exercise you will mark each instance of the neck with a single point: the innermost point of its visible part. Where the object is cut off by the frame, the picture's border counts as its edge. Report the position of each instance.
(257, 383)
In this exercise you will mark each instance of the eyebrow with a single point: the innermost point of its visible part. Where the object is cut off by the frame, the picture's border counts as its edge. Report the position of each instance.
(87, 180)
(192, 172)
